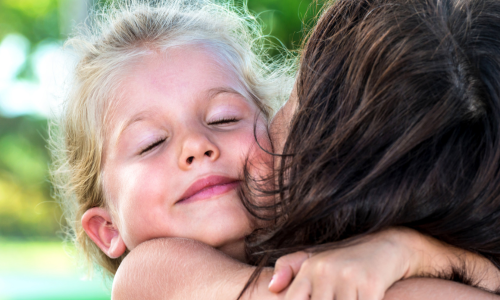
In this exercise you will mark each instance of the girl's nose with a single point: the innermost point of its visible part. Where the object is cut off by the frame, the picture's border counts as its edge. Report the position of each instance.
(195, 149)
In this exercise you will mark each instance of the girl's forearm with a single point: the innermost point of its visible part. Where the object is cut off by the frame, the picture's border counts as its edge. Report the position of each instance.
(172, 268)
(440, 259)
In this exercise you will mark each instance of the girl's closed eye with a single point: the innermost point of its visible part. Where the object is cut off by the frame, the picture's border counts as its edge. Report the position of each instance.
(152, 146)
(223, 120)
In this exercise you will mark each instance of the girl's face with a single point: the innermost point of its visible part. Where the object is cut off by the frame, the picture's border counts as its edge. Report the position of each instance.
(176, 145)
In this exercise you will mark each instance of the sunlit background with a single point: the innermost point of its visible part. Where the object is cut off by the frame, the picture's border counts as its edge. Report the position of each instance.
(34, 261)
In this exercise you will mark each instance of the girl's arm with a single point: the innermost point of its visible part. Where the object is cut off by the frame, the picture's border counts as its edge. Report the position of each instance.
(173, 268)
(371, 264)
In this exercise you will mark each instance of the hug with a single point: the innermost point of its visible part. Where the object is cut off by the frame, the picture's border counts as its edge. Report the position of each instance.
(385, 157)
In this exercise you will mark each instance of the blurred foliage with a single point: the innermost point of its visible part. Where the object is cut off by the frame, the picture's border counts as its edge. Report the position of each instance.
(37, 20)
(286, 21)
(26, 207)
(46, 270)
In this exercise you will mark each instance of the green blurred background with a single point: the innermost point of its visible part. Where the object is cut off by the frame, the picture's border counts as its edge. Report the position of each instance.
(34, 262)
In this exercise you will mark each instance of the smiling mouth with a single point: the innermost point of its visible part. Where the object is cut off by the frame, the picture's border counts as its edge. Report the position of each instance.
(209, 187)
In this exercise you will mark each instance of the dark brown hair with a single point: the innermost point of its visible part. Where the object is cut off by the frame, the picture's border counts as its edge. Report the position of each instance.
(398, 124)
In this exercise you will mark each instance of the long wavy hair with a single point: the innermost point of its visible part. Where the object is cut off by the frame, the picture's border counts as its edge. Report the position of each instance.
(398, 124)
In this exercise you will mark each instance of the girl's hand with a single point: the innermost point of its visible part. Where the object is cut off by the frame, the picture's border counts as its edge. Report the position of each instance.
(364, 270)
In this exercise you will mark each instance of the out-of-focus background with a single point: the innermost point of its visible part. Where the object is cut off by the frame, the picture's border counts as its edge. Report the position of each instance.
(34, 261)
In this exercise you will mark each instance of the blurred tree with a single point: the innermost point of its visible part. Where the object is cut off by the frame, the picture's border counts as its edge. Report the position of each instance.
(286, 21)
(37, 20)
(26, 208)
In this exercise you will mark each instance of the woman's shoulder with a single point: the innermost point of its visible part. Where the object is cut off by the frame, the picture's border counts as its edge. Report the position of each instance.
(435, 289)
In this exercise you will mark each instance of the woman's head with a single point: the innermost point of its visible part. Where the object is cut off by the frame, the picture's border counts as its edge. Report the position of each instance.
(398, 123)
(121, 39)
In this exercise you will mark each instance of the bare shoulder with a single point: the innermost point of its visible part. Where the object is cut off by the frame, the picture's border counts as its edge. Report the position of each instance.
(435, 289)
(174, 268)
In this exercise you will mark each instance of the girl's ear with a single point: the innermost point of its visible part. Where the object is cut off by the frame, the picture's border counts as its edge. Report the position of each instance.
(99, 227)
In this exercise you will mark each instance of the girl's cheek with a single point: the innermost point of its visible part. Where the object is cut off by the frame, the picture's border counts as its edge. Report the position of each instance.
(260, 162)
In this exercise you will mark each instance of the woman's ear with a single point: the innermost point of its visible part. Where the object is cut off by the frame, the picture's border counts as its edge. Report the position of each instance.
(99, 227)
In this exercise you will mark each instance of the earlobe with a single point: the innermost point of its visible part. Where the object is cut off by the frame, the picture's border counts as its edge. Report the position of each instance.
(99, 227)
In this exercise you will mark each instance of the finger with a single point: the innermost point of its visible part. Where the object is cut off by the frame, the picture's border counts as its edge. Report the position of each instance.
(300, 289)
(286, 268)
(323, 290)
(374, 293)
(345, 292)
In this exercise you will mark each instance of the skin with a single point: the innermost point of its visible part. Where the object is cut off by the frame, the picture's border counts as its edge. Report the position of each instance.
(201, 272)
(361, 272)
(426, 288)
(279, 125)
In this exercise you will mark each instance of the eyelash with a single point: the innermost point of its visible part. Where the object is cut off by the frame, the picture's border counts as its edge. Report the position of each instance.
(223, 121)
(160, 141)
(152, 146)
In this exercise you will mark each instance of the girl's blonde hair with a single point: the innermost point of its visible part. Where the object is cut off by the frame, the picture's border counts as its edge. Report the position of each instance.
(118, 34)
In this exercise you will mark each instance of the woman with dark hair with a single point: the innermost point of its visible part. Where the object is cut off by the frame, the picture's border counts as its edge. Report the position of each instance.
(395, 123)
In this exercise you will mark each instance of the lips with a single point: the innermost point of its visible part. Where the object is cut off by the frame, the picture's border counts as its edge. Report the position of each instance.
(209, 187)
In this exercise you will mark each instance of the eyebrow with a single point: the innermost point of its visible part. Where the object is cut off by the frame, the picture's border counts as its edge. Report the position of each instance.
(135, 118)
(212, 93)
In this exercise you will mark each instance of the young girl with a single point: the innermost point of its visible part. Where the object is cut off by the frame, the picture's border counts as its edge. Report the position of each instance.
(158, 128)
(111, 50)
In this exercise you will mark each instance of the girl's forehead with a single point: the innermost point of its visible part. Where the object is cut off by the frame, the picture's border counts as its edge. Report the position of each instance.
(188, 68)
(170, 79)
